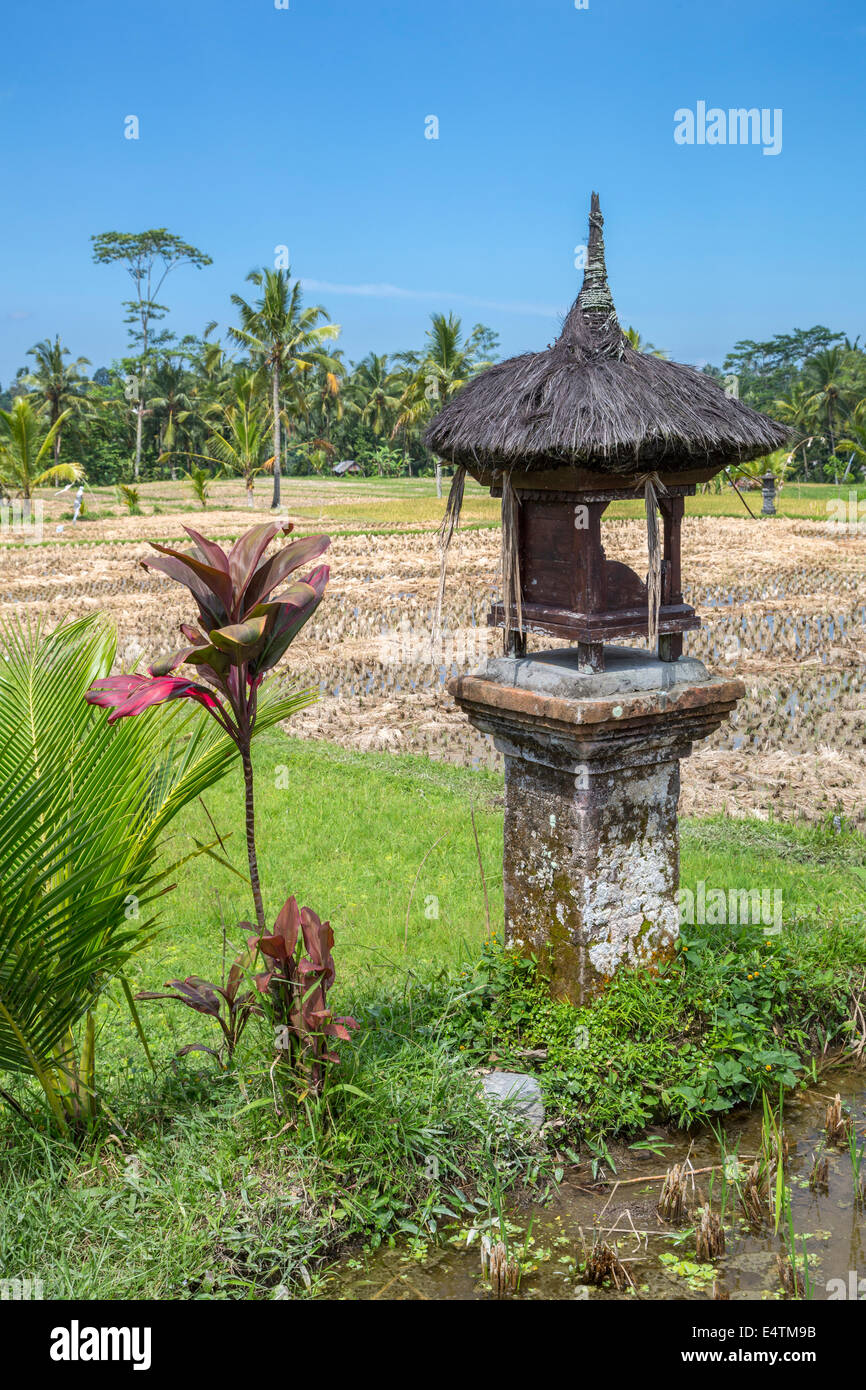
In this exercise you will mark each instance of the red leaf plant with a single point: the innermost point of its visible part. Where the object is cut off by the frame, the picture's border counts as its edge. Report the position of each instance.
(291, 993)
(244, 628)
(295, 986)
(228, 1004)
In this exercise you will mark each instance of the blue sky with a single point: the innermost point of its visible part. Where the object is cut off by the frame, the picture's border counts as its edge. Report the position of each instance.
(306, 127)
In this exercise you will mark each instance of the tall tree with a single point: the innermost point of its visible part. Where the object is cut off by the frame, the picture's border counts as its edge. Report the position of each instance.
(769, 370)
(62, 385)
(148, 257)
(284, 336)
(324, 395)
(796, 410)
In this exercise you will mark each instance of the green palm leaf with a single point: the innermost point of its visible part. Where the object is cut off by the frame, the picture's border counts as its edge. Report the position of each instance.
(84, 809)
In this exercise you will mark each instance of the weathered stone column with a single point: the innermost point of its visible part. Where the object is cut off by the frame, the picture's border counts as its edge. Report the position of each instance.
(591, 864)
(768, 495)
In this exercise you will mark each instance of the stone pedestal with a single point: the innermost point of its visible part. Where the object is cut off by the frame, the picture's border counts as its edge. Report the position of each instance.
(591, 863)
(768, 495)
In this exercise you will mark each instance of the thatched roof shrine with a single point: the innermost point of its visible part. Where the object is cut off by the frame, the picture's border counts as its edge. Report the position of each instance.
(591, 400)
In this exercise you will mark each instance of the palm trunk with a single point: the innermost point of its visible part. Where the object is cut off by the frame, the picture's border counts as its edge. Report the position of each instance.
(138, 427)
(832, 443)
(251, 836)
(438, 477)
(139, 419)
(275, 501)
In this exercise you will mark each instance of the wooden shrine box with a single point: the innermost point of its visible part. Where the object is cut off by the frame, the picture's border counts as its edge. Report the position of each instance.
(569, 588)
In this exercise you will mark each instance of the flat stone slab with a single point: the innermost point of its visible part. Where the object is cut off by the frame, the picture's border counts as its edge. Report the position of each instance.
(626, 670)
(585, 713)
(521, 1092)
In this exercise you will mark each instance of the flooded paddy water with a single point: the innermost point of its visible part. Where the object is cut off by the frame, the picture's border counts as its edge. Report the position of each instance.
(550, 1241)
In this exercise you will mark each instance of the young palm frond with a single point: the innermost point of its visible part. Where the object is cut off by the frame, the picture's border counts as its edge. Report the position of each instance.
(83, 809)
(24, 449)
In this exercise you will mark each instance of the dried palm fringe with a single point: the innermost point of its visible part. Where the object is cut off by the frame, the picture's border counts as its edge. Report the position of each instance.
(653, 485)
(502, 1269)
(838, 1124)
(512, 598)
(710, 1236)
(450, 523)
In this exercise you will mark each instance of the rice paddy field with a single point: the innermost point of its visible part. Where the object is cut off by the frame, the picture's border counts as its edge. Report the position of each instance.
(265, 1205)
(782, 601)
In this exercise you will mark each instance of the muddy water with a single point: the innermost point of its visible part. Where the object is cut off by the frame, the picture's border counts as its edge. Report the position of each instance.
(550, 1239)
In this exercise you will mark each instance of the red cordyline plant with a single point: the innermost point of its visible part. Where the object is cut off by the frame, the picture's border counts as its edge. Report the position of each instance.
(244, 629)
(296, 986)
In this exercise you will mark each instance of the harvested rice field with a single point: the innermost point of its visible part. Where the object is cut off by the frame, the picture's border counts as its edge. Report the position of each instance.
(782, 601)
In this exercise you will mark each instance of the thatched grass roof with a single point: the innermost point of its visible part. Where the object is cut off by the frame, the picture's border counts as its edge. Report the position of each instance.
(590, 399)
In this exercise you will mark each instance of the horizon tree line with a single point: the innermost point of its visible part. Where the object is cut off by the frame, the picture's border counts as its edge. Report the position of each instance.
(289, 403)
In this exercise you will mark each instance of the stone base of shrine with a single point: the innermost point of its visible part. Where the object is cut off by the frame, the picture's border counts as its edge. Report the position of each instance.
(592, 779)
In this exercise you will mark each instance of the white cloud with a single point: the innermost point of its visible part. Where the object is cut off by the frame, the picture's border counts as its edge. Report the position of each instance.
(444, 297)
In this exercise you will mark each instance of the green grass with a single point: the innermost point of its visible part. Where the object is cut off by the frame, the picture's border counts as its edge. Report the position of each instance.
(349, 834)
(410, 506)
(797, 501)
(353, 834)
(201, 1189)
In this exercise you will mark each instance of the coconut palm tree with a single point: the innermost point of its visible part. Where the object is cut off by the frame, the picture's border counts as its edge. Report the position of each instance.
(171, 405)
(324, 395)
(855, 441)
(25, 449)
(285, 337)
(447, 363)
(375, 389)
(413, 410)
(796, 409)
(242, 437)
(213, 371)
(831, 389)
(61, 385)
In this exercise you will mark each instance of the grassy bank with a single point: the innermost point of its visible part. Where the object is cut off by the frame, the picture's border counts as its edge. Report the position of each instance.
(202, 1187)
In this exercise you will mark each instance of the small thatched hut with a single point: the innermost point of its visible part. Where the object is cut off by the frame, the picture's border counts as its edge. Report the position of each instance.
(560, 434)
